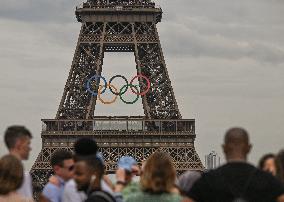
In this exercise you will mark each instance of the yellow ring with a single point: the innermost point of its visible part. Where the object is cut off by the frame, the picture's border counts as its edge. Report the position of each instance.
(107, 102)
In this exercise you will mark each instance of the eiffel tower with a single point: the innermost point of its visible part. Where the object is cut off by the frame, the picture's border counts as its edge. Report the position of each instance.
(119, 26)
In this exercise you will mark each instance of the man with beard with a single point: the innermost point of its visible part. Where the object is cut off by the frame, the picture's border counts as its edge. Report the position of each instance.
(84, 147)
(88, 175)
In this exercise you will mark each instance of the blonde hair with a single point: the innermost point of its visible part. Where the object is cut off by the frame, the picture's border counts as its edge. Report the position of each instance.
(158, 174)
(11, 174)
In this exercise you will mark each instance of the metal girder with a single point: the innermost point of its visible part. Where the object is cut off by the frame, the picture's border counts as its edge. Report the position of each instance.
(119, 26)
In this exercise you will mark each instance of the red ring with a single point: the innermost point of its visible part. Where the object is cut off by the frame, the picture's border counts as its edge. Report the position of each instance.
(148, 85)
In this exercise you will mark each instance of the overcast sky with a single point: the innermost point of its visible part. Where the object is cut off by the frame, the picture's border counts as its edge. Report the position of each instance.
(225, 59)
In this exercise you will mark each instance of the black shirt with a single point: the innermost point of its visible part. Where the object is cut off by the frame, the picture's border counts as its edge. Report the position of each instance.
(233, 180)
(100, 196)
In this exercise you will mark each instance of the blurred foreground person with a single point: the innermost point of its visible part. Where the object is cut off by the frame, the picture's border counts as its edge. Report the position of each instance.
(84, 147)
(11, 179)
(127, 170)
(62, 164)
(267, 163)
(157, 181)
(186, 181)
(18, 140)
(280, 166)
(237, 180)
(88, 175)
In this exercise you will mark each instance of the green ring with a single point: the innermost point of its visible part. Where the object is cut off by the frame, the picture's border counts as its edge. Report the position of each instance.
(120, 95)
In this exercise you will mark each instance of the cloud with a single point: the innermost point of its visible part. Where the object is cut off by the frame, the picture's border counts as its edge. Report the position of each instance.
(190, 42)
(224, 29)
(59, 11)
(224, 58)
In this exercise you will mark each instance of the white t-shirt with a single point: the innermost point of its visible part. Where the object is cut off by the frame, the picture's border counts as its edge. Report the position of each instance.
(26, 188)
(71, 194)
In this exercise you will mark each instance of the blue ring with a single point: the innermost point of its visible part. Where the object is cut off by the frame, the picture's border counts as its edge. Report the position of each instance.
(95, 77)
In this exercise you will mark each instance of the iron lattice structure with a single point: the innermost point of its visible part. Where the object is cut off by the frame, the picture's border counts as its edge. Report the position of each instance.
(119, 26)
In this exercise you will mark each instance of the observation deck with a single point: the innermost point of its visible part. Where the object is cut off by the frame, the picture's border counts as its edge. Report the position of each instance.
(119, 131)
(118, 12)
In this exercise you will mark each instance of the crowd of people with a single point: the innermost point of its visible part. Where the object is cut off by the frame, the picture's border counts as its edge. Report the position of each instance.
(79, 176)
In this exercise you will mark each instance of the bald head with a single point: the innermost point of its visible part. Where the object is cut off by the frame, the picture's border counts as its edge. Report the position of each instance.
(236, 136)
(236, 144)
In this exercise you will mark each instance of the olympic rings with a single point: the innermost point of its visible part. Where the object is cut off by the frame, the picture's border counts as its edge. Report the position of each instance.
(111, 85)
(148, 85)
(126, 86)
(95, 77)
(107, 102)
(123, 90)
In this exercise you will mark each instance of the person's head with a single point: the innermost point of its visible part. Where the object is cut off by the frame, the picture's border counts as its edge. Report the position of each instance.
(186, 181)
(279, 161)
(236, 144)
(158, 174)
(85, 147)
(18, 140)
(88, 173)
(267, 163)
(62, 164)
(11, 174)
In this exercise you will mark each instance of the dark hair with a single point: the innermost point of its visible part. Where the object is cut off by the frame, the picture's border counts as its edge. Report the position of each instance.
(85, 147)
(11, 174)
(264, 158)
(279, 161)
(59, 156)
(13, 133)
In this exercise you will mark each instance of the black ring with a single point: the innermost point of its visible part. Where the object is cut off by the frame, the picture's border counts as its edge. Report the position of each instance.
(114, 78)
